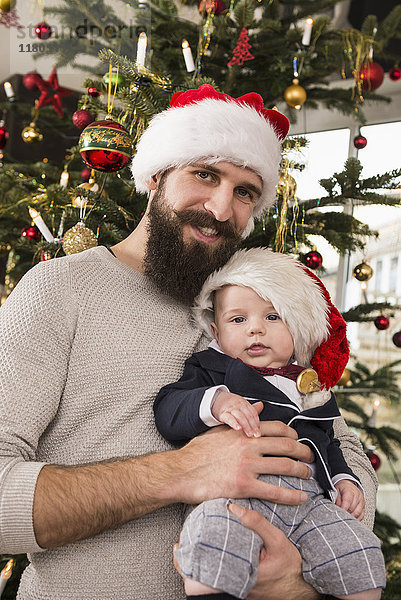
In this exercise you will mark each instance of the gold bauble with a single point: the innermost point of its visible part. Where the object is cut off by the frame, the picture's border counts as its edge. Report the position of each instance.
(345, 377)
(7, 5)
(31, 134)
(363, 272)
(287, 186)
(78, 239)
(295, 95)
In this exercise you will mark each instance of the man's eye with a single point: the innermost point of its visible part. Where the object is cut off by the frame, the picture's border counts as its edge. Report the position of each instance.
(203, 174)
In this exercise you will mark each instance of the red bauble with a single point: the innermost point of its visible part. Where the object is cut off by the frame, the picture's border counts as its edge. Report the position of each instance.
(85, 174)
(313, 259)
(397, 339)
(3, 136)
(206, 6)
(382, 322)
(374, 458)
(105, 146)
(31, 79)
(43, 31)
(82, 118)
(371, 76)
(395, 74)
(94, 92)
(360, 141)
(31, 232)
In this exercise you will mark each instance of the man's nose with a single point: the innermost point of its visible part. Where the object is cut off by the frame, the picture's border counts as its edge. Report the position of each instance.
(220, 203)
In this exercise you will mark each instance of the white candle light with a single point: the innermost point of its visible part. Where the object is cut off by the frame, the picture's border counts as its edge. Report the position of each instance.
(189, 61)
(307, 32)
(8, 88)
(64, 178)
(41, 225)
(141, 49)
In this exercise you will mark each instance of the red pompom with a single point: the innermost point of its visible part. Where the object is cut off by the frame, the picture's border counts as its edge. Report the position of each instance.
(371, 76)
(31, 232)
(43, 31)
(360, 142)
(31, 80)
(382, 322)
(313, 259)
(82, 118)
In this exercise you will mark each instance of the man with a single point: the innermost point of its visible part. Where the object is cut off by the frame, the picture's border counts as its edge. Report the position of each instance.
(87, 341)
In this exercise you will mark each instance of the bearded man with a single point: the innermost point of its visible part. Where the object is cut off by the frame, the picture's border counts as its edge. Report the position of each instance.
(88, 487)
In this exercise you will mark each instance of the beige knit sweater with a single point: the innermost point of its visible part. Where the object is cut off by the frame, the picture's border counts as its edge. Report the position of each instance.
(86, 342)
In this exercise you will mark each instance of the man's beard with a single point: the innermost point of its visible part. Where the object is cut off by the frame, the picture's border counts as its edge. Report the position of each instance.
(179, 269)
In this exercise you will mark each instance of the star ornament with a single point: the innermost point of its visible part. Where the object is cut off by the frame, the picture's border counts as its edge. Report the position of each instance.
(51, 93)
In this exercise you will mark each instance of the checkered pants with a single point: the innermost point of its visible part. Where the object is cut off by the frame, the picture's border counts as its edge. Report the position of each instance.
(340, 555)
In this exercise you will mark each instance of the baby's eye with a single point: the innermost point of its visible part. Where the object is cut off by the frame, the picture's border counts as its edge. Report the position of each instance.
(272, 317)
(238, 320)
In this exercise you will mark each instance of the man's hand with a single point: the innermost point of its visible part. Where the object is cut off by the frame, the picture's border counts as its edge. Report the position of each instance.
(237, 413)
(225, 463)
(350, 498)
(279, 572)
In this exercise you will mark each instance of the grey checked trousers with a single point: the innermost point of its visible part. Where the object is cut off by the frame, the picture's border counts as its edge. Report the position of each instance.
(340, 555)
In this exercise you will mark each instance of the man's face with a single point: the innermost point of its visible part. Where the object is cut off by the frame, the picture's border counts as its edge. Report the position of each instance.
(248, 327)
(195, 221)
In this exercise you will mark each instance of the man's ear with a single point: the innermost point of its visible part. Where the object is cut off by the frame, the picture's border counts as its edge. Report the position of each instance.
(153, 182)
(215, 331)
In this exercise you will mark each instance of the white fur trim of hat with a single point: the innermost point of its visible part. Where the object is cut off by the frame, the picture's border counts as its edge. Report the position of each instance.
(281, 279)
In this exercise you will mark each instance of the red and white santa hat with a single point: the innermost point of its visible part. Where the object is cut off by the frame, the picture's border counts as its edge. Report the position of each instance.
(317, 328)
(209, 125)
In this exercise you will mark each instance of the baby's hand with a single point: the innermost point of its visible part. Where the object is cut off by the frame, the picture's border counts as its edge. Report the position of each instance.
(238, 413)
(350, 498)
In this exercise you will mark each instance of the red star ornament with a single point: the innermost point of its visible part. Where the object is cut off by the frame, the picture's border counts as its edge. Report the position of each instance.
(52, 93)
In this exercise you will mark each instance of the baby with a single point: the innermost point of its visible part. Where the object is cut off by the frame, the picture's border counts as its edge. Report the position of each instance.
(271, 319)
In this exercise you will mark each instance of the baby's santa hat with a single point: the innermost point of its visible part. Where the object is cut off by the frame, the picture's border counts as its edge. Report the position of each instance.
(317, 328)
(203, 124)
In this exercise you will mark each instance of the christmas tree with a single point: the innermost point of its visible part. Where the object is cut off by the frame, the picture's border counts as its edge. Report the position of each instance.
(298, 58)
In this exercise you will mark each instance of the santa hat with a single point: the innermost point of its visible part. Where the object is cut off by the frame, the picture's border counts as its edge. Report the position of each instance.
(299, 297)
(209, 125)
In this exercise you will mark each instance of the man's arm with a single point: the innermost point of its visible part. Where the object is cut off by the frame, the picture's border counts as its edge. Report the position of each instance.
(73, 503)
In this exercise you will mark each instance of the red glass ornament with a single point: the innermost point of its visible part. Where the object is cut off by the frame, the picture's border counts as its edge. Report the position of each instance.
(82, 118)
(374, 458)
(43, 31)
(94, 92)
(206, 6)
(31, 80)
(382, 322)
(371, 76)
(395, 74)
(313, 259)
(31, 232)
(3, 136)
(397, 339)
(105, 146)
(360, 141)
(85, 174)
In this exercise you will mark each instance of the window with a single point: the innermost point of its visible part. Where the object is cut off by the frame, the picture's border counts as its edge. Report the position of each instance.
(393, 274)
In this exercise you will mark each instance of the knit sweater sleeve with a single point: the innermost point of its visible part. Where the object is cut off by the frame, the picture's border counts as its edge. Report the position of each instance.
(36, 325)
(360, 465)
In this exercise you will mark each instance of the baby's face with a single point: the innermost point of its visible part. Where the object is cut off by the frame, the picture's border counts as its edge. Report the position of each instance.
(249, 328)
